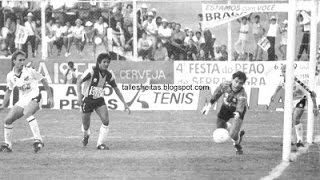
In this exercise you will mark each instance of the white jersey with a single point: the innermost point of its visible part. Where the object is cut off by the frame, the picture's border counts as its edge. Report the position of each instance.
(298, 91)
(26, 82)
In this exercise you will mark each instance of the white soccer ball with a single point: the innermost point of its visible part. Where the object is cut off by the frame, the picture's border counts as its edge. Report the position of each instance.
(221, 135)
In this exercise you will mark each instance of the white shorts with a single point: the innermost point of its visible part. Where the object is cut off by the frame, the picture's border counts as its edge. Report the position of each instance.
(24, 102)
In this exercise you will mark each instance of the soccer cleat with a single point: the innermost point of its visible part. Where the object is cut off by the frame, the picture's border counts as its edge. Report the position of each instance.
(102, 147)
(299, 144)
(5, 148)
(85, 140)
(238, 149)
(37, 145)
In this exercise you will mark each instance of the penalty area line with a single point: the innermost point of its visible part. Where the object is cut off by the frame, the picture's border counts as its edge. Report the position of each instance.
(280, 168)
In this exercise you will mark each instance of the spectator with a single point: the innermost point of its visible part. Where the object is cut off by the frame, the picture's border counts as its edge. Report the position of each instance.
(50, 35)
(38, 36)
(189, 36)
(30, 25)
(241, 44)
(116, 23)
(128, 35)
(200, 18)
(100, 31)
(164, 32)
(218, 53)
(9, 35)
(89, 32)
(173, 26)
(161, 53)
(191, 50)
(154, 12)
(145, 47)
(284, 36)
(128, 16)
(177, 42)
(271, 36)
(151, 29)
(58, 33)
(142, 16)
(158, 21)
(18, 45)
(78, 36)
(304, 21)
(257, 34)
(169, 25)
(198, 41)
(70, 77)
(224, 53)
(209, 40)
(67, 38)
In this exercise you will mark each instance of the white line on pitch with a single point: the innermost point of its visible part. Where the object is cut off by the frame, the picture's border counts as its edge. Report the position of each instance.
(279, 169)
(142, 137)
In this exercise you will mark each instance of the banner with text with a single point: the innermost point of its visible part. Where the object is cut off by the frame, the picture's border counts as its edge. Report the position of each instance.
(125, 71)
(218, 14)
(65, 97)
(263, 78)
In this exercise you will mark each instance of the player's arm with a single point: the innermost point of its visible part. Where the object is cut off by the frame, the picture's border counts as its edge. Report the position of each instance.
(6, 98)
(85, 77)
(216, 95)
(113, 84)
(314, 101)
(119, 94)
(241, 106)
(47, 88)
(7, 94)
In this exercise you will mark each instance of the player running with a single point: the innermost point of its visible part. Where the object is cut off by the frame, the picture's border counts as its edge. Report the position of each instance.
(300, 93)
(92, 98)
(26, 80)
(234, 106)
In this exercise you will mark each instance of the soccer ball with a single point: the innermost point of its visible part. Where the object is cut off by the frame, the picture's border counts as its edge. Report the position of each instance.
(221, 135)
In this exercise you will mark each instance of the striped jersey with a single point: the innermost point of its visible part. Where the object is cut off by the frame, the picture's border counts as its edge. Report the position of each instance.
(94, 83)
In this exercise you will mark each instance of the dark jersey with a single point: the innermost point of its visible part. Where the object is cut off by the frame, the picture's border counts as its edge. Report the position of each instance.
(232, 101)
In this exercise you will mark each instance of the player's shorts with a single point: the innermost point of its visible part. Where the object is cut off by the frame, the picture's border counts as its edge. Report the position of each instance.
(226, 113)
(92, 104)
(300, 103)
(24, 101)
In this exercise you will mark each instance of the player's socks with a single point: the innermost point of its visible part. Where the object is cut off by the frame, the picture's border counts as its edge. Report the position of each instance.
(34, 128)
(85, 132)
(103, 134)
(299, 132)
(8, 129)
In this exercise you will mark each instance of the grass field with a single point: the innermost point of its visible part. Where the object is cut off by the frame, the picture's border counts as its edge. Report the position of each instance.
(150, 145)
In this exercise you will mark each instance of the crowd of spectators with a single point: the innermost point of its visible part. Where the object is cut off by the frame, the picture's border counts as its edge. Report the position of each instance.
(158, 38)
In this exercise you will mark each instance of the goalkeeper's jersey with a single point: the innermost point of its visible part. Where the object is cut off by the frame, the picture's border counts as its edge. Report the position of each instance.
(298, 91)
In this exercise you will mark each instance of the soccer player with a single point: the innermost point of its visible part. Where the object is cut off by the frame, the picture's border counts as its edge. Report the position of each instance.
(26, 80)
(234, 106)
(299, 104)
(91, 97)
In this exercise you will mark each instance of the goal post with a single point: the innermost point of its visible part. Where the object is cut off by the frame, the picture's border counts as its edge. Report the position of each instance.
(312, 68)
(288, 105)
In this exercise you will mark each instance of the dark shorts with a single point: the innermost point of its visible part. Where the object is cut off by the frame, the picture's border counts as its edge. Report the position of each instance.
(302, 103)
(91, 104)
(225, 114)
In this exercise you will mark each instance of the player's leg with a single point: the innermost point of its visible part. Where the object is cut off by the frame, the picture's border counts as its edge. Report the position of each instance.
(297, 114)
(85, 127)
(236, 134)
(15, 113)
(102, 111)
(221, 123)
(29, 111)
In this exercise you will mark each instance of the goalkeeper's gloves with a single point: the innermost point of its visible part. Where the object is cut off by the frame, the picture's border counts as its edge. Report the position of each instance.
(206, 108)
